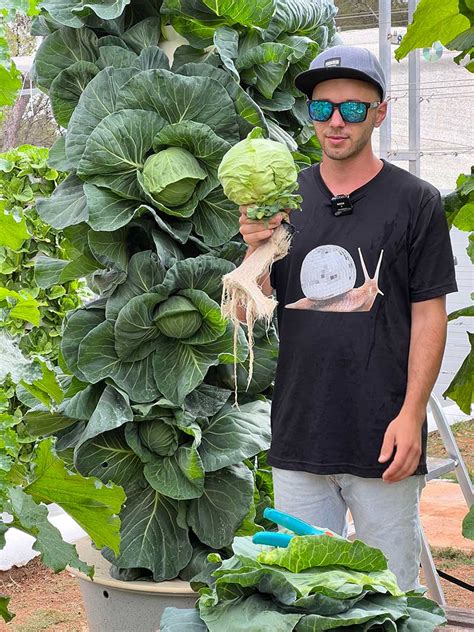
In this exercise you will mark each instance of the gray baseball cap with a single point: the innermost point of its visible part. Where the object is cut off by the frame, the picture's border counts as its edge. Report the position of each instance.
(342, 62)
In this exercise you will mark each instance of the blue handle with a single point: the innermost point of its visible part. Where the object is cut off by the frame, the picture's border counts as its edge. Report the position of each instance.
(290, 522)
(271, 538)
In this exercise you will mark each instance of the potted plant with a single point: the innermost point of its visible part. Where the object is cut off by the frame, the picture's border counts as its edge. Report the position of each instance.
(151, 357)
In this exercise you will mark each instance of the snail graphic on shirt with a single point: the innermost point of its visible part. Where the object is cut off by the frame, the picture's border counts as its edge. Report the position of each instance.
(328, 276)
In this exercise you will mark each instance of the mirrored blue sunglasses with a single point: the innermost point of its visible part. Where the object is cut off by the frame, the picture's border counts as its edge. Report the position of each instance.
(350, 111)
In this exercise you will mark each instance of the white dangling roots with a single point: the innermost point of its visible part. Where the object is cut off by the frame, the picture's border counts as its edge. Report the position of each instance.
(241, 291)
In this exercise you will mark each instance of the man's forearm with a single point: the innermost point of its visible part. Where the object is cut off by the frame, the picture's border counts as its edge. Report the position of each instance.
(427, 342)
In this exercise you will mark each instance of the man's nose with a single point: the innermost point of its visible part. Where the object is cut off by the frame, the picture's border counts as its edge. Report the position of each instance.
(336, 119)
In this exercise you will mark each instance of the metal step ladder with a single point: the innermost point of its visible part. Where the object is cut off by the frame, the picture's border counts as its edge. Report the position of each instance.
(436, 469)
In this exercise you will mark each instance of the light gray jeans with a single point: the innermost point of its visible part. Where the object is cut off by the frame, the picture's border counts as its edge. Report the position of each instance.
(385, 515)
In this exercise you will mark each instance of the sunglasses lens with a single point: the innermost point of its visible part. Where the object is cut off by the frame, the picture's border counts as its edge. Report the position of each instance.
(353, 111)
(320, 110)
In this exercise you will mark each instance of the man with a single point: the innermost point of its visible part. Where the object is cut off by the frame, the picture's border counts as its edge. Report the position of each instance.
(362, 322)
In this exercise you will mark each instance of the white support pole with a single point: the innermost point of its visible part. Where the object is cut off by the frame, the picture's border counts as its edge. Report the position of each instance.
(385, 52)
(414, 100)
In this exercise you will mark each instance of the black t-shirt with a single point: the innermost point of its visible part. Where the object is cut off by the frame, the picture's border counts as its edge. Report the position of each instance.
(343, 360)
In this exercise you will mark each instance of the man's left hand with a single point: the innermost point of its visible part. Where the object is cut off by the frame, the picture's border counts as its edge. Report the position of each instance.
(403, 435)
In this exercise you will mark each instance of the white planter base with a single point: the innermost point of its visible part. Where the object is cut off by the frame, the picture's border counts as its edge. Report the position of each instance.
(117, 606)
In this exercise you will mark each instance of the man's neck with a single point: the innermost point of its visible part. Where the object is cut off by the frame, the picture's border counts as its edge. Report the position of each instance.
(345, 176)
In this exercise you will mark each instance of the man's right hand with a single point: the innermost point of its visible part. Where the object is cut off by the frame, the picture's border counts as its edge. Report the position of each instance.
(256, 232)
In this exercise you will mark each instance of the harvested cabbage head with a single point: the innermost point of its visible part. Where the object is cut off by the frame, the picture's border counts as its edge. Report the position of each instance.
(171, 176)
(261, 173)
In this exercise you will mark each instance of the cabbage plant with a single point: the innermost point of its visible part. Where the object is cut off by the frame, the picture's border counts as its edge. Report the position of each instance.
(151, 358)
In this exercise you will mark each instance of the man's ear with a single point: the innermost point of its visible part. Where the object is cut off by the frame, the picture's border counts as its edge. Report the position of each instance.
(381, 113)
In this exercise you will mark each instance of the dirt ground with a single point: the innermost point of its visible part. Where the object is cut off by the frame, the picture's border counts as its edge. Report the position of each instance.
(43, 601)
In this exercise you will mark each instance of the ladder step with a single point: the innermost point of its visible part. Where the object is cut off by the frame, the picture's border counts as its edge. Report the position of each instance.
(438, 467)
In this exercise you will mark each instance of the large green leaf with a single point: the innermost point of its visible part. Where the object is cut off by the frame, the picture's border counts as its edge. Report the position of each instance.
(188, 54)
(336, 582)
(432, 21)
(464, 219)
(145, 272)
(206, 400)
(253, 14)
(217, 514)
(109, 458)
(249, 113)
(10, 84)
(153, 57)
(112, 411)
(49, 271)
(235, 434)
(424, 615)
(109, 211)
(96, 102)
(151, 537)
(117, 57)
(67, 88)
(41, 423)
(307, 552)
(77, 326)
(70, 12)
(57, 155)
(82, 404)
(253, 614)
(373, 610)
(94, 506)
(461, 389)
(179, 368)
(197, 138)
(264, 66)
(62, 49)
(264, 367)
(200, 273)
(13, 231)
(110, 248)
(180, 476)
(178, 98)
(98, 360)
(144, 34)
(33, 519)
(135, 331)
(67, 206)
(226, 41)
(216, 218)
(118, 146)
(181, 620)
(303, 17)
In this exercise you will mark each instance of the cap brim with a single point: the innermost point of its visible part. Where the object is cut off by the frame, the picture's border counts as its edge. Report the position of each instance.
(306, 80)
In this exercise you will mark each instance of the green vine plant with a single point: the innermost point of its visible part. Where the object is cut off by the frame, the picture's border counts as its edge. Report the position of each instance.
(31, 475)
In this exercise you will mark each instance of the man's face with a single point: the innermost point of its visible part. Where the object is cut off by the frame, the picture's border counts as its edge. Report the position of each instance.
(340, 140)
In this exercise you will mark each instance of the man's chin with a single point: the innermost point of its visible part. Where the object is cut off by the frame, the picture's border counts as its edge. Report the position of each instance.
(337, 154)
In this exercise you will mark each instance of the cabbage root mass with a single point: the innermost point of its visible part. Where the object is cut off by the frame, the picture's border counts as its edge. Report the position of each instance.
(260, 173)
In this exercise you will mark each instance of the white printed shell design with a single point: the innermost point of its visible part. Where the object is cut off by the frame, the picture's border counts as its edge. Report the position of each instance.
(328, 276)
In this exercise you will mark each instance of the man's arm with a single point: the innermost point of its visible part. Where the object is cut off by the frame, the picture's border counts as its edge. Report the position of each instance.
(427, 342)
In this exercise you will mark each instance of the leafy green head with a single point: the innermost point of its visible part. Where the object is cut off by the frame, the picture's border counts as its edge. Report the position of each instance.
(171, 176)
(257, 170)
(177, 317)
